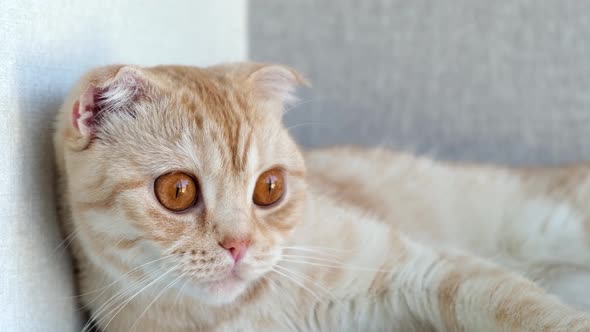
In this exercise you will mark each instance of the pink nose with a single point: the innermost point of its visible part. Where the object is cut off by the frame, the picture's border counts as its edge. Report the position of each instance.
(236, 246)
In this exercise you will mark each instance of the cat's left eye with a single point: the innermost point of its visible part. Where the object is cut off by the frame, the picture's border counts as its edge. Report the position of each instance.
(270, 188)
(176, 191)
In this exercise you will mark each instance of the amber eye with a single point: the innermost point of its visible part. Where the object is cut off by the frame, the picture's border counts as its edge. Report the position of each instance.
(270, 187)
(176, 191)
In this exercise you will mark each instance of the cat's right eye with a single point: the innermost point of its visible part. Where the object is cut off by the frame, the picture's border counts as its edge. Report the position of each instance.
(176, 191)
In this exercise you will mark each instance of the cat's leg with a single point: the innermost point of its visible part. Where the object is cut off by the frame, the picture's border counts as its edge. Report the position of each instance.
(549, 242)
(456, 292)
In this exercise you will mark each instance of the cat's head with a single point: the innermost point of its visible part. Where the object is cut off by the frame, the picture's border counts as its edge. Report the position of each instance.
(182, 173)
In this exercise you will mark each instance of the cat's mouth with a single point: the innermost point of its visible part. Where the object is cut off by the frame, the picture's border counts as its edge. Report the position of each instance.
(229, 282)
(235, 279)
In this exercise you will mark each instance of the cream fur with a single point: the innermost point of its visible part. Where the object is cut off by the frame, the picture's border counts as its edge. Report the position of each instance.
(366, 240)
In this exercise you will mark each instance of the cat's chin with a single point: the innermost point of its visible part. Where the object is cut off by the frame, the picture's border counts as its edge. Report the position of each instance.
(221, 292)
(227, 290)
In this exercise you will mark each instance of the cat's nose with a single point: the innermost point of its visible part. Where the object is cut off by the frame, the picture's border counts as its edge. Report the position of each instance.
(237, 247)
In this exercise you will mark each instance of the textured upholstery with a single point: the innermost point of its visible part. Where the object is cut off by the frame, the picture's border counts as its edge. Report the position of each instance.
(504, 81)
(44, 47)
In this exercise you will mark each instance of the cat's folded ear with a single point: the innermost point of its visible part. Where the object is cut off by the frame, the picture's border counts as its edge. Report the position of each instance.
(109, 89)
(274, 83)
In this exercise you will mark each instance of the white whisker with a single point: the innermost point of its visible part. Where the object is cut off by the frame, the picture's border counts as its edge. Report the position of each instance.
(67, 241)
(306, 124)
(274, 289)
(176, 299)
(118, 296)
(298, 283)
(111, 302)
(139, 292)
(155, 299)
(301, 275)
(320, 259)
(318, 249)
(342, 266)
(104, 288)
(300, 103)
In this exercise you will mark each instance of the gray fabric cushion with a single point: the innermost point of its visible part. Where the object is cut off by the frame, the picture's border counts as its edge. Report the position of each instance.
(505, 81)
(44, 47)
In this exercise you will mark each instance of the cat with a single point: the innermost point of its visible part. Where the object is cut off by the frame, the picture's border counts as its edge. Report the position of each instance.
(190, 208)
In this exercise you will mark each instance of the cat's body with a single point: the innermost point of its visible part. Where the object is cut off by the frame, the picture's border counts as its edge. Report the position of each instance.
(359, 241)
(532, 221)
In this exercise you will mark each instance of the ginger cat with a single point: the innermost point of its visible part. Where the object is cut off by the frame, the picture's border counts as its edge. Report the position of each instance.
(190, 208)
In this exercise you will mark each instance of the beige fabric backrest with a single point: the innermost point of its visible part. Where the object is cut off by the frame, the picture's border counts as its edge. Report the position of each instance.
(44, 47)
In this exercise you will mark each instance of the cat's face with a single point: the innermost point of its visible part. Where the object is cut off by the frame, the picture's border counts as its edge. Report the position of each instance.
(183, 176)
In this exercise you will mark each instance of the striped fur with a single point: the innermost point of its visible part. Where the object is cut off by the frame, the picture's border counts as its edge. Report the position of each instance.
(364, 240)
